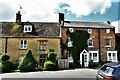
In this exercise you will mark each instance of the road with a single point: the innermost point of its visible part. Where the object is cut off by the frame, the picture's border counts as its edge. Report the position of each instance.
(75, 73)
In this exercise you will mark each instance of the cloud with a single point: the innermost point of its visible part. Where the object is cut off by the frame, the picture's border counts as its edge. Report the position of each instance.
(46, 10)
(116, 24)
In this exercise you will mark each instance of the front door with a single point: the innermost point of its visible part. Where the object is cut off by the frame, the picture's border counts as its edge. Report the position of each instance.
(84, 58)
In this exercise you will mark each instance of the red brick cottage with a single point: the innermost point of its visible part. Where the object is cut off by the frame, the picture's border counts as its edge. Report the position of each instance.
(101, 43)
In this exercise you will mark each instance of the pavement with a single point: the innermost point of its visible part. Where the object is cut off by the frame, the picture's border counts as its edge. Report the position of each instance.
(85, 73)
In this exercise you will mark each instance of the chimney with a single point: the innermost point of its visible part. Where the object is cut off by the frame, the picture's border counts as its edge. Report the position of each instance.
(108, 22)
(61, 19)
(18, 17)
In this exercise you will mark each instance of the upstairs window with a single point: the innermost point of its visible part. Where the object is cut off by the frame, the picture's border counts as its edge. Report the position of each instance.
(90, 31)
(23, 44)
(27, 28)
(71, 30)
(108, 42)
(43, 45)
(107, 31)
(70, 43)
(90, 42)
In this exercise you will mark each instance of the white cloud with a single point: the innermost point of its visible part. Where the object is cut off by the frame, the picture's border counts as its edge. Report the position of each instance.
(43, 10)
(116, 24)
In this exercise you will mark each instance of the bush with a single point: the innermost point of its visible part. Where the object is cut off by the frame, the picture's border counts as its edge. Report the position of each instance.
(6, 66)
(28, 63)
(50, 66)
(51, 56)
(4, 57)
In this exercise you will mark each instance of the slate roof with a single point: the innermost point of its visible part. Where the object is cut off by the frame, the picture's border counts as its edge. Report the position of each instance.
(87, 24)
(39, 29)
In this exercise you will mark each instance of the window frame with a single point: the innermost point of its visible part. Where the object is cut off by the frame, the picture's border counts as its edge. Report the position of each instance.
(89, 41)
(112, 58)
(70, 42)
(92, 56)
(71, 30)
(23, 44)
(90, 31)
(109, 42)
(43, 45)
(107, 31)
(27, 28)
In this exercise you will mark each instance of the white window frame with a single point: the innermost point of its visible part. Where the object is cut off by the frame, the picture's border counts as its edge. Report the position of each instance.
(89, 41)
(70, 43)
(27, 28)
(107, 31)
(90, 31)
(112, 58)
(22, 44)
(71, 30)
(109, 43)
(93, 52)
(42, 46)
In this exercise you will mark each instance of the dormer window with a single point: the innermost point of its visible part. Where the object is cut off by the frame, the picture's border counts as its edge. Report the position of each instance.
(27, 28)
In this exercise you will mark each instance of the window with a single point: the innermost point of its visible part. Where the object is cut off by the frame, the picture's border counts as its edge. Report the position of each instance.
(23, 44)
(27, 28)
(43, 58)
(93, 55)
(90, 31)
(70, 43)
(20, 59)
(90, 42)
(71, 30)
(108, 42)
(43, 45)
(112, 56)
(107, 31)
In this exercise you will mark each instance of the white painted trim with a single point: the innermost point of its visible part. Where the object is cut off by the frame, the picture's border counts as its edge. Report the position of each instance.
(112, 56)
(92, 52)
(88, 42)
(27, 26)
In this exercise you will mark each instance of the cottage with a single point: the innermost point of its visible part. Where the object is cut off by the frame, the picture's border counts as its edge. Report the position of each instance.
(17, 37)
(101, 43)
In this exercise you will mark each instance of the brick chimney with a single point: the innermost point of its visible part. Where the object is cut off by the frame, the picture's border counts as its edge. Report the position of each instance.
(18, 17)
(61, 19)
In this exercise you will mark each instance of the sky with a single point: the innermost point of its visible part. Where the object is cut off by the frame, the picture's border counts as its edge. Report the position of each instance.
(47, 10)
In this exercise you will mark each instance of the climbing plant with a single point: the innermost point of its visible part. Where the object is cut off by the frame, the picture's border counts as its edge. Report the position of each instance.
(79, 38)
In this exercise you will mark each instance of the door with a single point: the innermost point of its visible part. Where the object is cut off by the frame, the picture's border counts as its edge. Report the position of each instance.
(84, 58)
(42, 59)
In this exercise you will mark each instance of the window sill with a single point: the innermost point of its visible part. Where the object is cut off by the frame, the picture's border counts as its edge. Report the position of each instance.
(22, 48)
(108, 46)
(90, 46)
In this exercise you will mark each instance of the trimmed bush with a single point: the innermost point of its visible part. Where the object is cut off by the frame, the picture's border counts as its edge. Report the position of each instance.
(28, 63)
(6, 66)
(50, 66)
(51, 56)
(4, 57)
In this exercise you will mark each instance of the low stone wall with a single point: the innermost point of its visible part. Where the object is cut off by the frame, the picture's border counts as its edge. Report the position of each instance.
(63, 64)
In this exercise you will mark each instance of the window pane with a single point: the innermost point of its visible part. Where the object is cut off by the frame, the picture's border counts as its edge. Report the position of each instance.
(94, 56)
(114, 57)
(90, 42)
(107, 42)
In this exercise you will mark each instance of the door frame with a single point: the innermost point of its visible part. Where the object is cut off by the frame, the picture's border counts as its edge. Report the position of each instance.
(86, 55)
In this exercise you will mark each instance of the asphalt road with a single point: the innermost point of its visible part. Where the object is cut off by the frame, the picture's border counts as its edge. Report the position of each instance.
(76, 73)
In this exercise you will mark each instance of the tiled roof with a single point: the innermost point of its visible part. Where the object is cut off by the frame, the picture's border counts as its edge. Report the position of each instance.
(87, 24)
(39, 29)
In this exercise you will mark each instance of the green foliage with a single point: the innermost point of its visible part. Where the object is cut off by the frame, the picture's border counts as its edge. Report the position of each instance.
(117, 47)
(50, 66)
(28, 63)
(79, 39)
(51, 63)
(6, 66)
(4, 57)
(51, 55)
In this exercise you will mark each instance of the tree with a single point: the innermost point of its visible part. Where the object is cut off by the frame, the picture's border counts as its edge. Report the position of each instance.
(79, 39)
(28, 63)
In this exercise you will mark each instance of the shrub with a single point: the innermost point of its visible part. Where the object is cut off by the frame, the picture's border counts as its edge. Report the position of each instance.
(50, 66)
(51, 56)
(28, 63)
(4, 57)
(6, 66)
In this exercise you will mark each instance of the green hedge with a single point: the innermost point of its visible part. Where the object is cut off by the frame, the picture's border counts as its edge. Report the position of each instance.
(28, 63)
(50, 66)
(51, 56)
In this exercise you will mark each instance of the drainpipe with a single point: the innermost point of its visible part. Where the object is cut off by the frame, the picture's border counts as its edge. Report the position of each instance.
(6, 39)
(99, 45)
